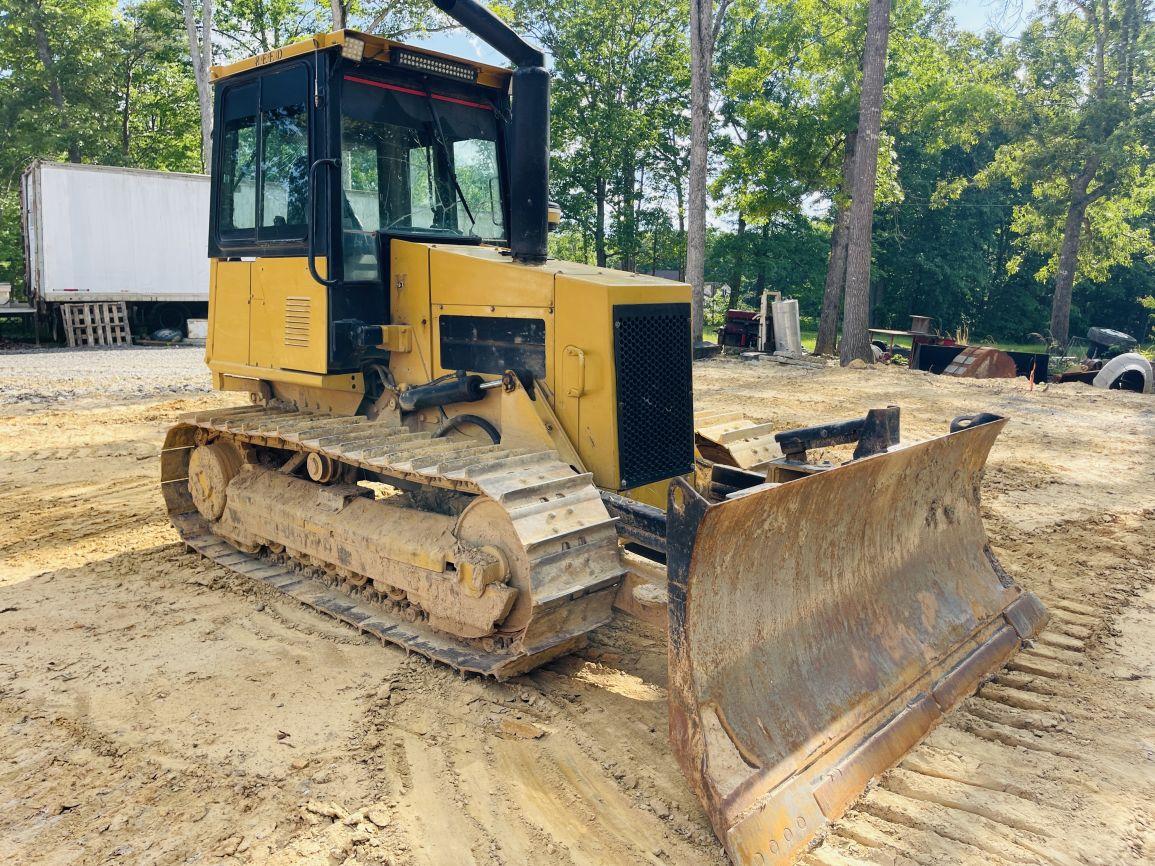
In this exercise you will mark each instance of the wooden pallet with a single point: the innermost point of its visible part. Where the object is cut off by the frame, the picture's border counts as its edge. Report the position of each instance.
(102, 324)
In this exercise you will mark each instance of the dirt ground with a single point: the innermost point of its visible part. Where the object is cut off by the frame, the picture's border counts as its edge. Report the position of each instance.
(155, 708)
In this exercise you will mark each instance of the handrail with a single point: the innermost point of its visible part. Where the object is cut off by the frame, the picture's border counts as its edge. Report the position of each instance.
(334, 163)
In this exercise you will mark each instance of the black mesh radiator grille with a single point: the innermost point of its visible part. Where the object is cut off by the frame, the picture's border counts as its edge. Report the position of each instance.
(655, 392)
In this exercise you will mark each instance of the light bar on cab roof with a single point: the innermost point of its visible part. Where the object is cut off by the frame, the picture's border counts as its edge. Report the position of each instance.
(353, 49)
(434, 65)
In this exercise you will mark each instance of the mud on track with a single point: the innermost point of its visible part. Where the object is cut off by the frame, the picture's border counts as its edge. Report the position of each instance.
(155, 708)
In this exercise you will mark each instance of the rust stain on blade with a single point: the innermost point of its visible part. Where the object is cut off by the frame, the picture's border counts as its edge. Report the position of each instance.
(820, 629)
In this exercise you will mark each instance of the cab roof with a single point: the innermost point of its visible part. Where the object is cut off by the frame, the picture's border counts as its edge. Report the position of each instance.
(377, 49)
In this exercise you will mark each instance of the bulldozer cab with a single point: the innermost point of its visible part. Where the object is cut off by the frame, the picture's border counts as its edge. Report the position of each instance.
(327, 150)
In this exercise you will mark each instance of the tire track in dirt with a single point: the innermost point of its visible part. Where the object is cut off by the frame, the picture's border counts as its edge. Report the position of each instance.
(67, 503)
(144, 692)
(141, 713)
(1024, 772)
(529, 753)
(108, 451)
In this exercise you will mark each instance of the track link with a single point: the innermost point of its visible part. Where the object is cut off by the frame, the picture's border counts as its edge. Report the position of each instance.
(568, 536)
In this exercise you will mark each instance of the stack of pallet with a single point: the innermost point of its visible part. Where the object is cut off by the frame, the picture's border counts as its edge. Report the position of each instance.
(96, 324)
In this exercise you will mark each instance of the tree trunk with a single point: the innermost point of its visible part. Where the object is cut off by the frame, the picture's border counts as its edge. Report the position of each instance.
(629, 244)
(600, 225)
(705, 21)
(827, 342)
(55, 91)
(681, 250)
(856, 316)
(701, 57)
(736, 272)
(338, 9)
(760, 279)
(998, 279)
(1069, 253)
(1129, 28)
(201, 55)
(126, 114)
(636, 215)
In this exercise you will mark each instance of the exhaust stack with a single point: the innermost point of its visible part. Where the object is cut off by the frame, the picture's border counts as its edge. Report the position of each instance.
(529, 170)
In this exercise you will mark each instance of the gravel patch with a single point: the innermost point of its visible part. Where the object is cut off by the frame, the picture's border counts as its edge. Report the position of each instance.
(45, 377)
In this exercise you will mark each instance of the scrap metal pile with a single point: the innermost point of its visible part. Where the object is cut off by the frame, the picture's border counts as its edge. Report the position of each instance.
(1113, 363)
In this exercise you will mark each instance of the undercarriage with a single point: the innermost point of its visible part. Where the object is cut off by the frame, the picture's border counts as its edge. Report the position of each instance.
(486, 558)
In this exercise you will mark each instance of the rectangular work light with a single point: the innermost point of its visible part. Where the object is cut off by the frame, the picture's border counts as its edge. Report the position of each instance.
(434, 65)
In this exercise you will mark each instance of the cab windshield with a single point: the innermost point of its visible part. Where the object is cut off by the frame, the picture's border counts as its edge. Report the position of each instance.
(414, 162)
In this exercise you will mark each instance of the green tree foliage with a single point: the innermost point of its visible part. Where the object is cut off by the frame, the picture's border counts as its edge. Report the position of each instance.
(984, 138)
(90, 82)
(620, 77)
(1081, 141)
(787, 74)
(785, 255)
(984, 134)
(246, 27)
(108, 82)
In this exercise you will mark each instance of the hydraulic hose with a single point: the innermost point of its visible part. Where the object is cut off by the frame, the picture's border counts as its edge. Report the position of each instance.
(476, 420)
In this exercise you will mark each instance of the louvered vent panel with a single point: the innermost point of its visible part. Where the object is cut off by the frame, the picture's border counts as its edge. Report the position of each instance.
(297, 314)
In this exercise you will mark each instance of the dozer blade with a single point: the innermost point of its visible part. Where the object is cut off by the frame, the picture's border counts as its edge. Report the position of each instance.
(819, 629)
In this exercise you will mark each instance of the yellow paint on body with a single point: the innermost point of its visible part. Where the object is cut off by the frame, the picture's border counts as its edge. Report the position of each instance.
(228, 337)
(409, 305)
(268, 314)
(269, 321)
(583, 333)
(576, 302)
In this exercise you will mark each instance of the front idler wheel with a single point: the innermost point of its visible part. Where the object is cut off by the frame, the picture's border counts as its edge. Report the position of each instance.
(210, 470)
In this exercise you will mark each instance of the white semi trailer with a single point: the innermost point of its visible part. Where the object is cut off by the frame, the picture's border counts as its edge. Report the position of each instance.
(102, 233)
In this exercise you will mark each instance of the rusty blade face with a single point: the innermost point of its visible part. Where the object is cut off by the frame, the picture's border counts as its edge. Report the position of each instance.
(820, 629)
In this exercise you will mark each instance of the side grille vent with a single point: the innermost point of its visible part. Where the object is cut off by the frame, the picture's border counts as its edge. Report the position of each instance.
(652, 355)
(298, 312)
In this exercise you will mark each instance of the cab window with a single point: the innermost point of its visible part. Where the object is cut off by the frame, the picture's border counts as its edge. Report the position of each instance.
(238, 175)
(285, 154)
(264, 172)
(414, 162)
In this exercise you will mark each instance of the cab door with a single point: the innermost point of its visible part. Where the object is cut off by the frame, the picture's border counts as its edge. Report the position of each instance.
(267, 311)
(234, 222)
(288, 307)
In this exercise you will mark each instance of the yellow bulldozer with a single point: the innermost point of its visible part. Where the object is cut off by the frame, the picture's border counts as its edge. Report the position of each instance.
(452, 439)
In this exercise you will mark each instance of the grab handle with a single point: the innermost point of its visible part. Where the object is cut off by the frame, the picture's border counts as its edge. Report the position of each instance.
(575, 379)
(335, 163)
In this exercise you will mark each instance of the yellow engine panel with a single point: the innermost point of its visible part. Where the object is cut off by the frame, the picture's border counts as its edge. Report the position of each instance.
(586, 393)
(290, 317)
(576, 302)
(267, 318)
(269, 321)
(228, 338)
